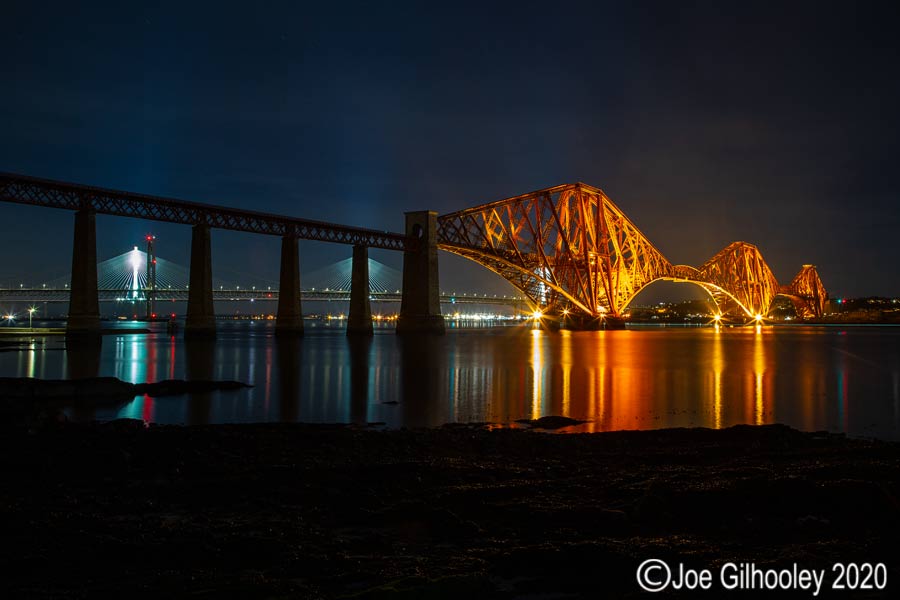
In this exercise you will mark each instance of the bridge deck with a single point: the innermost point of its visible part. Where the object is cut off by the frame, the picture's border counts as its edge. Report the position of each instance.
(23, 189)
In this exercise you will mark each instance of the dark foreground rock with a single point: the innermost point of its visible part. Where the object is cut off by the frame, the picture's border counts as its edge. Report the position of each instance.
(101, 388)
(33, 402)
(328, 511)
(550, 422)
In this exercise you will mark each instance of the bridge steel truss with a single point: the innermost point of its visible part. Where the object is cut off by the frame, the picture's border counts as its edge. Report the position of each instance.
(23, 189)
(570, 248)
(567, 248)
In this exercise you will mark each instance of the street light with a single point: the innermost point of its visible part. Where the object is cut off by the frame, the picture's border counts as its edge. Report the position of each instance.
(31, 311)
(9, 319)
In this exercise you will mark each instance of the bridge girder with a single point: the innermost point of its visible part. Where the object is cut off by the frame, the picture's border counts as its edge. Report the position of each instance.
(740, 269)
(563, 247)
(23, 189)
(571, 247)
(807, 293)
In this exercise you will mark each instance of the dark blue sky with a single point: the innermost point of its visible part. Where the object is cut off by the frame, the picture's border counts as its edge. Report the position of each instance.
(775, 123)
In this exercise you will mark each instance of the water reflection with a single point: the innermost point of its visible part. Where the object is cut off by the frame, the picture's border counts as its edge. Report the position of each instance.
(718, 367)
(421, 380)
(82, 357)
(82, 361)
(199, 364)
(811, 378)
(290, 352)
(360, 348)
(565, 363)
(759, 371)
(538, 393)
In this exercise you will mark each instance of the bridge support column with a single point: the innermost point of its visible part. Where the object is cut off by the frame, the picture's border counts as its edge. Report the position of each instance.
(360, 319)
(84, 305)
(201, 314)
(289, 319)
(420, 306)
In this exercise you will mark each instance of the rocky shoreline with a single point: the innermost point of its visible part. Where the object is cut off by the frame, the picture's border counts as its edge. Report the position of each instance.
(280, 510)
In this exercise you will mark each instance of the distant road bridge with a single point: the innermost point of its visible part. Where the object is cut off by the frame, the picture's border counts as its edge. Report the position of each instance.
(181, 295)
(144, 278)
(569, 249)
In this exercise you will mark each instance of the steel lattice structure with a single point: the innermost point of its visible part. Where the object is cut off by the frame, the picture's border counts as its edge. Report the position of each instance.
(807, 293)
(566, 248)
(42, 192)
(570, 248)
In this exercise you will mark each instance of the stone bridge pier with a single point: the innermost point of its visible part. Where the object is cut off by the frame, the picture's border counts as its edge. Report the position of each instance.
(84, 305)
(201, 314)
(289, 317)
(420, 306)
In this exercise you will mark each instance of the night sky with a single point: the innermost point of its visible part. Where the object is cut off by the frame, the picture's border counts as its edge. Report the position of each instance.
(705, 122)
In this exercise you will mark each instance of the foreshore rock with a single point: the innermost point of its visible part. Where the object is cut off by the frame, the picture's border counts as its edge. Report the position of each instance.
(105, 387)
(23, 397)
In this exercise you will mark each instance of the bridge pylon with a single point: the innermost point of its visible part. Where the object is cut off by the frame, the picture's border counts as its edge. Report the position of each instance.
(84, 304)
(359, 321)
(420, 306)
(201, 314)
(151, 278)
(289, 317)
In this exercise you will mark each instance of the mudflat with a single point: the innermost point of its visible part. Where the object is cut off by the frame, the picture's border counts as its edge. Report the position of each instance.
(292, 510)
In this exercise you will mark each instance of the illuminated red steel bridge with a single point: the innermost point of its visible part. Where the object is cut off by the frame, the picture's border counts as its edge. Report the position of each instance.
(571, 251)
(568, 249)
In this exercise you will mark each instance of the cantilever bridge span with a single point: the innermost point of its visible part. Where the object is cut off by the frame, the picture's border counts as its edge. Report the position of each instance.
(569, 248)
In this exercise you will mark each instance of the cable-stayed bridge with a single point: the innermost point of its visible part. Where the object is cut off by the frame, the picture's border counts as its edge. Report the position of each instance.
(130, 277)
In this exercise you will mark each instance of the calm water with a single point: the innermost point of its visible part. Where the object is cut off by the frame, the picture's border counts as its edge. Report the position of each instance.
(812, 378)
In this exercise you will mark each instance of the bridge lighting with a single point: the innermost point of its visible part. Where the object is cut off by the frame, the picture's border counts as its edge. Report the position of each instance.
(758, 318)
(565, 312)
(536, 315)
(9, 318)
(717, 317)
